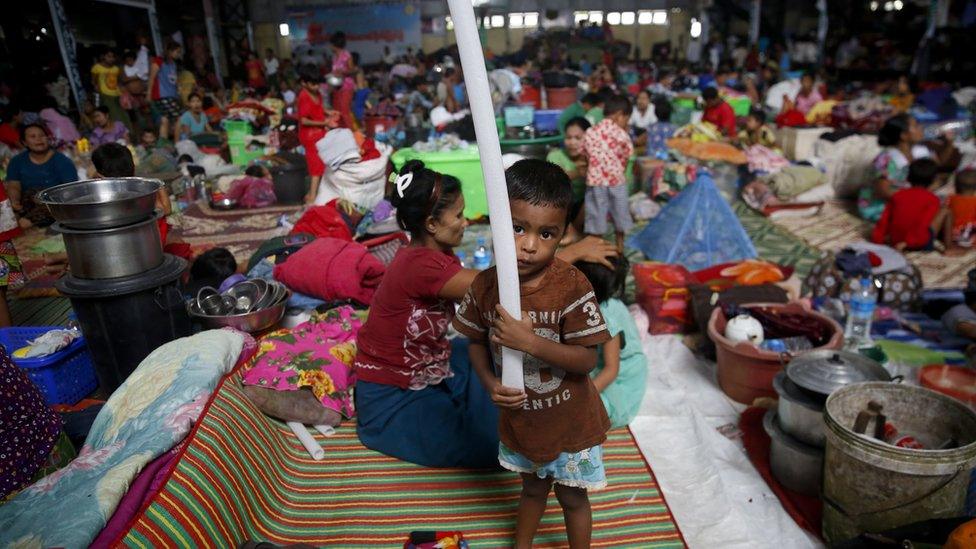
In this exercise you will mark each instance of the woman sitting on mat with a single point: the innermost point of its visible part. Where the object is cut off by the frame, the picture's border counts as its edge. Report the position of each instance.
(416, 397)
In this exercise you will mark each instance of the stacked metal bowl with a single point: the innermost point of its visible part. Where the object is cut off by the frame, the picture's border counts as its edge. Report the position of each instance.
(249, 305)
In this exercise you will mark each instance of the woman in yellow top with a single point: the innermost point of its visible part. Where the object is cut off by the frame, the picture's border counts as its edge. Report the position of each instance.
(105, 81)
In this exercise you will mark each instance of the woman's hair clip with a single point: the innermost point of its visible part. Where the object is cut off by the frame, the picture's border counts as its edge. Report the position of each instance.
(402, 182)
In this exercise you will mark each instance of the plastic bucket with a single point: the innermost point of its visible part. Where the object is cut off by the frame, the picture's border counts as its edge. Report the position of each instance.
(290, 185)
(746, 372)
(560, 98)
(871, 486)
(125, 319)
(531, 96)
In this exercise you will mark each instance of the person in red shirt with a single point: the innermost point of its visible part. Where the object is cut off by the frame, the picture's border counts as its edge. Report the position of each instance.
(255, 71)
(912, 216)
(312, 126)
(9, 134)
(718, 112)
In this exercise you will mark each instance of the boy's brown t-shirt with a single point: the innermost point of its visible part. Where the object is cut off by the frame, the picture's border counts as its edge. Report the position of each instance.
(563, 412)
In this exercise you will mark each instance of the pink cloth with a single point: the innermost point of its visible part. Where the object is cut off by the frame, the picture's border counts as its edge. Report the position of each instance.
(332, 269)
(764, 159)
(61, 127)
(317, 354)
(806, 102)
(252, 192)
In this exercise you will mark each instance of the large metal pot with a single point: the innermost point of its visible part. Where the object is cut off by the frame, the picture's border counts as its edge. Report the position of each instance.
(800, 414)
(795, 465)
(113, 253)
(102, 203)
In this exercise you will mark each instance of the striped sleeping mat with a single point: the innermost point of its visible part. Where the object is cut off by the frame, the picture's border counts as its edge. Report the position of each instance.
(245, 476)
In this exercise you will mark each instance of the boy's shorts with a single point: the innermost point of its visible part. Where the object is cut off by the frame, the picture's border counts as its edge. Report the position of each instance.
(601, 201)
(583, 469)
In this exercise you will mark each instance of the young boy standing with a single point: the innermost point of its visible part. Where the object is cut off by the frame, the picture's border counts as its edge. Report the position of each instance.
(609, 148)
(552, 432)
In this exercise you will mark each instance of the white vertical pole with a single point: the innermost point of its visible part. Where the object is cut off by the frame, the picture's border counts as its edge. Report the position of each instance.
(499, 212)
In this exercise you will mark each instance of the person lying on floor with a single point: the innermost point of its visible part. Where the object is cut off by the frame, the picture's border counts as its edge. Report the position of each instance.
(416, 397)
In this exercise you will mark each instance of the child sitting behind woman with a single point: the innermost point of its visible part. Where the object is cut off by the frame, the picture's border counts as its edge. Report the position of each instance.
(553, 430)
(912, 217)
(621, 371)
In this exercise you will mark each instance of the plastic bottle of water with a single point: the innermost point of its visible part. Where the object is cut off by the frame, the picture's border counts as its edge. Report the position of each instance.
(860, 312)
(482, 256)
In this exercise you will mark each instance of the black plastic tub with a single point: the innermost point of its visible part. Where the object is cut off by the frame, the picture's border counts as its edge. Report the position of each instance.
(290, 183)
(125, 319)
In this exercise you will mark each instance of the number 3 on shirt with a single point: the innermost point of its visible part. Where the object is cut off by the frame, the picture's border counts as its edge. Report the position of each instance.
(591, 309)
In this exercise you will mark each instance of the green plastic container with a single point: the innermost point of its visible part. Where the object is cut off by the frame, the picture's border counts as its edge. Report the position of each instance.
(464, 164)
(683, 103)
(740, 105)
(237, 128)
(239, 155)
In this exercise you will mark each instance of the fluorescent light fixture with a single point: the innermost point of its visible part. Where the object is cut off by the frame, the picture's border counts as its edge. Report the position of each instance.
(696, 28)
(283, 29)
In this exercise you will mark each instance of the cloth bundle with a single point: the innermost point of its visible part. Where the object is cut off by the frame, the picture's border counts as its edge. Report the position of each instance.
(714, 151)
(332, 269)
(317, 354)
(253, 192)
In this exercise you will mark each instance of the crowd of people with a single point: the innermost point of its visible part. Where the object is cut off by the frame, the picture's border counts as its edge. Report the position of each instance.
(419, 396)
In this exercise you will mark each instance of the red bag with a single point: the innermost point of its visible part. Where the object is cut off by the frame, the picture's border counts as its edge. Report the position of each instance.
(662, 291)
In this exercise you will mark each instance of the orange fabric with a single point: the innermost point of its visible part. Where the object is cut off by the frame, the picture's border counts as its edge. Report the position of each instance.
(963, 210)
(722, 152)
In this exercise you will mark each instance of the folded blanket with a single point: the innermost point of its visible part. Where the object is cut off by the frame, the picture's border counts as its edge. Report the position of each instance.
(332, 269)
(145, 417)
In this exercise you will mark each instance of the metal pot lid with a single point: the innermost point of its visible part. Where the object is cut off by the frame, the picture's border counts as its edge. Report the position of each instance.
(825, 371)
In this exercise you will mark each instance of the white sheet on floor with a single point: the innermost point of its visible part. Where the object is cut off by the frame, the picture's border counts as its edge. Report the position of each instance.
(717, 497)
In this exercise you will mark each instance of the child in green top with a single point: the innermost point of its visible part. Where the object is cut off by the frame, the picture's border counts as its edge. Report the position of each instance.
(621, 371)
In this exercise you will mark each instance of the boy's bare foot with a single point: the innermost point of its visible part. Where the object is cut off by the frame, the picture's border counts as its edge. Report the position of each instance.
(25, 223)
(901, 246)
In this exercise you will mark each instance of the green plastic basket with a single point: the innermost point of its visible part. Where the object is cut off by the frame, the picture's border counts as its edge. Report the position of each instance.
(740, 105)
(236, 128)
(464, 164)
(239, 155)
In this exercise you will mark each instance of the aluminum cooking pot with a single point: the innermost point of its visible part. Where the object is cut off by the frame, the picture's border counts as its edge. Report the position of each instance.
(102, 203)
(800, 414)
(113, 253)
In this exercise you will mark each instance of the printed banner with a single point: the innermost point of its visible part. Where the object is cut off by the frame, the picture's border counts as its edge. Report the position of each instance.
(368, 27)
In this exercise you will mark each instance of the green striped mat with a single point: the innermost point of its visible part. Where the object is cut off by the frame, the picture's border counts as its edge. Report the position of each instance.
(244, 476)
(39, 311)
